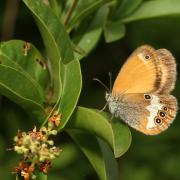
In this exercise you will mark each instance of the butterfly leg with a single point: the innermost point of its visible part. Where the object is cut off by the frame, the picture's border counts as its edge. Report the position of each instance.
(103, 107)
(112, 116)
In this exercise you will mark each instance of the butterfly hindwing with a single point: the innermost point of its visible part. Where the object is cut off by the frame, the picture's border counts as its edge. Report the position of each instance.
(148, 113)
(162, 111)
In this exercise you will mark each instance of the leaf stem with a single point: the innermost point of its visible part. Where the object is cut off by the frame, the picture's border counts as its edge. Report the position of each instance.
(69, 13)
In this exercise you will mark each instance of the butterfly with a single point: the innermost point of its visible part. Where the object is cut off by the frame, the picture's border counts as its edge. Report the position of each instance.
(141, 92)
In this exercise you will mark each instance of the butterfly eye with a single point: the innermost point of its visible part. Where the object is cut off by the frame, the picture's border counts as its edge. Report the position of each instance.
(147, 97)
(147, 57)
(158, 121)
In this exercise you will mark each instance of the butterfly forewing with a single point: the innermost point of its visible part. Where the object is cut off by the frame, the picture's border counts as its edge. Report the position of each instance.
(167, 70)
(138, 74)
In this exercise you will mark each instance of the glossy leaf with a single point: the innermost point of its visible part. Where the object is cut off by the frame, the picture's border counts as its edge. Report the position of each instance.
(71, 79)
(25, 57)
(114, 31)
(21, 89)
(98, 153)
(89, 33)
(154, 9)
(116, 134)
(56, 40)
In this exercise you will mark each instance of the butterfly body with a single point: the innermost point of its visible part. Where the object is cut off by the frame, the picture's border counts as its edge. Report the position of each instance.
(141, 92)
(122, 107)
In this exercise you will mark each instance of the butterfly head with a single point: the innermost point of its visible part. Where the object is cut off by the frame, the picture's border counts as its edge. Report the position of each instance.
(113, 103)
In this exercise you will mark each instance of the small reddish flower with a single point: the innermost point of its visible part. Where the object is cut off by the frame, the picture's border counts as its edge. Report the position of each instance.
(55, 118)
(25, 170)
(45, 166)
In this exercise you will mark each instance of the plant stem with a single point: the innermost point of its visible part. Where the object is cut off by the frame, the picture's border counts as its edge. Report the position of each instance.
(69, 13)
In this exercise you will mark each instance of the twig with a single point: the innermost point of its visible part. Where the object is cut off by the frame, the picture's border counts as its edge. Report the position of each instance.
(69, 13)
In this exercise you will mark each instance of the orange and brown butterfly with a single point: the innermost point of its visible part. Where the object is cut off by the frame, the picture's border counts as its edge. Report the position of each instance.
(141, 93)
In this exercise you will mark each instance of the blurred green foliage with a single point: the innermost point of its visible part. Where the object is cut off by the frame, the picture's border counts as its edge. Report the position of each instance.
(156, 157)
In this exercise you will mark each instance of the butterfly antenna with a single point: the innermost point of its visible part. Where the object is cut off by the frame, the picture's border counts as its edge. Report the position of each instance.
(95, 79)
(110, 81)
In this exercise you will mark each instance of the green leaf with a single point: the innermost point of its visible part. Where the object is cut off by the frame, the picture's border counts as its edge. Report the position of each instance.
(89, 32)
(72, 83)
(114, 31)
(21, 89)
(56, 40)
(116, 134)
(86, 11)
(125, 7)
(98, 153)
(154, 9)
(41, 176)
(13, 54)
(56, 7)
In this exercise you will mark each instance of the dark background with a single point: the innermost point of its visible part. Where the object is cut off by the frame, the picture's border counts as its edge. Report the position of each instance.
(149, 157)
